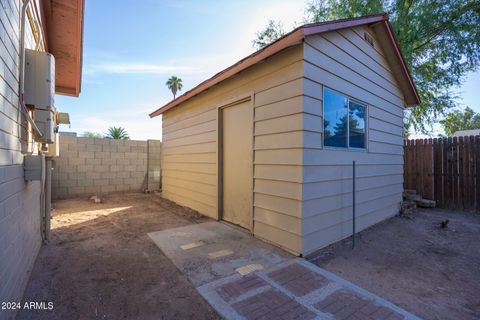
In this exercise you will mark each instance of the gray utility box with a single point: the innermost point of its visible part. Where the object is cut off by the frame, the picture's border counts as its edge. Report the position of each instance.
(40, 91)
(34, 168)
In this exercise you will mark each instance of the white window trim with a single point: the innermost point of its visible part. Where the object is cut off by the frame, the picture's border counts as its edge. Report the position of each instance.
(367, 116)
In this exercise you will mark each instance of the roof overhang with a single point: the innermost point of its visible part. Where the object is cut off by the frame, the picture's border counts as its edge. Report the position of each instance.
(379, 22)
(64, 29)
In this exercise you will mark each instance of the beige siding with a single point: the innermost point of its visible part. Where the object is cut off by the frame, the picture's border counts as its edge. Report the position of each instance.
(343, 61)
(20, 238)
(190, 146)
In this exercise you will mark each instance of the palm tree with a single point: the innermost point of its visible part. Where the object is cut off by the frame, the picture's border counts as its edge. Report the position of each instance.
(174, 84)
(117, 133)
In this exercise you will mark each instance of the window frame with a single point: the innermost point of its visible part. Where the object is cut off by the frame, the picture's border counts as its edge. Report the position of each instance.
(349, 98)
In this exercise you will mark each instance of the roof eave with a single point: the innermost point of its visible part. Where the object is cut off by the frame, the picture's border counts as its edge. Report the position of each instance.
(295, 37)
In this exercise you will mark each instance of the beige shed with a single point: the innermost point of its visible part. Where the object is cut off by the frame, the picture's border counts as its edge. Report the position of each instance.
(268, 143)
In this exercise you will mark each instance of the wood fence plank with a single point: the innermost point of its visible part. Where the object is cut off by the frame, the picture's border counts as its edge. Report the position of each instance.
(471, 171)
(466, 174)
(437, 170)
(446, 170)
(448, 173)
(429, 169)
(407, 163)
(477, 173)
(460, 151)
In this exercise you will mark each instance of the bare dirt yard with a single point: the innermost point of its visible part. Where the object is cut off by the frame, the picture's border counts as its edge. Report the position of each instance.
(430, 271)
(101, 264)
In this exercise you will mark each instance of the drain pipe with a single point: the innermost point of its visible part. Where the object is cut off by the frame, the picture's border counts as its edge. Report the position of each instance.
(21, 84)
(48, 196)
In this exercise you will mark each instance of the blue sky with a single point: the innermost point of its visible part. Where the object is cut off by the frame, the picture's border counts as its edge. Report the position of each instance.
(132, 47)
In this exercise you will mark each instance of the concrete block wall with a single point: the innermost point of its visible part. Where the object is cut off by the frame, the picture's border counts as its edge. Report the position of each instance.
(89, 166)
(20, 237)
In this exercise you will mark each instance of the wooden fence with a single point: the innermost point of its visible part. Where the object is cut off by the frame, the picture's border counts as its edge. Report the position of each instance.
(446, 170)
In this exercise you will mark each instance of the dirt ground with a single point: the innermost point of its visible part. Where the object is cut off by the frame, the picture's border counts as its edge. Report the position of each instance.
(101, 264)
(429, 271)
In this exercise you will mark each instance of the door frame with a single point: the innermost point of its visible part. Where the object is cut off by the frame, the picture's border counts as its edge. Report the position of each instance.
(230, 103)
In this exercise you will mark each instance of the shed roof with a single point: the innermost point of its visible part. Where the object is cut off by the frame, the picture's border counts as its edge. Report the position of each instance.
(379, 22)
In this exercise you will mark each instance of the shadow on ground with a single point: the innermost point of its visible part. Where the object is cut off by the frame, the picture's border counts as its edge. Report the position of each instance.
(431, 271)
(101, 264)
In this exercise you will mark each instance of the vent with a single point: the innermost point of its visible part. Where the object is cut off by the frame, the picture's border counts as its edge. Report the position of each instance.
(368, 38)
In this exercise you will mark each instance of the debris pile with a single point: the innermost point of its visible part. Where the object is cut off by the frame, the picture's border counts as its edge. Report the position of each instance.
(412, 200)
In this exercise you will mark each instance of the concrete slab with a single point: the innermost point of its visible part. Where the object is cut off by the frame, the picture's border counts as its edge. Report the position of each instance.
(215, 236)
(257, 280)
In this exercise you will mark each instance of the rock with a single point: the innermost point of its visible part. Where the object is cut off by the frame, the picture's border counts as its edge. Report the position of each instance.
(410, 191)
(412, 197)
(406, 207)
(424, 203)
(96, 199)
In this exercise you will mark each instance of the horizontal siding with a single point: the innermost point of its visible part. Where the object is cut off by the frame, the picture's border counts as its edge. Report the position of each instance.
(189, 154)
(344, 229)
(344, 62)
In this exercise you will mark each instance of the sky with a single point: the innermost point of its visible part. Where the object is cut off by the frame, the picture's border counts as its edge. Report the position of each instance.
(131, 48)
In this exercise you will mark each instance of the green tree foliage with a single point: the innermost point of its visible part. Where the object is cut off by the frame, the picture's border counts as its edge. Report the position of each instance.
(271, 32)
(89, 134)
(117, 133)
(174, 84)
(461, 120)
(440, 41)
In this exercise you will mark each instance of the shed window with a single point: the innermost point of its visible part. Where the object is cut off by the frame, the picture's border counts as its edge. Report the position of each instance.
(344, 121)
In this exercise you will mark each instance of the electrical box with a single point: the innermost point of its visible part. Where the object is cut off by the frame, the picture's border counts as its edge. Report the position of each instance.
(54, 148)
(40, 91)
(39, 79)
(34, 168)
(45, 121)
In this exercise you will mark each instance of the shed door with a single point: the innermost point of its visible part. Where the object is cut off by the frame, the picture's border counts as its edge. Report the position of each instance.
(237, 129)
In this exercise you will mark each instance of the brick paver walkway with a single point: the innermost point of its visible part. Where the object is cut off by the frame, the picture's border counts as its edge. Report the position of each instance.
(276, 287)
(296, 289)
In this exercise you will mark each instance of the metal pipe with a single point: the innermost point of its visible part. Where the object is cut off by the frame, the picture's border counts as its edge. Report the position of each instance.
(353, 205)
(21, 82)
(48, 196)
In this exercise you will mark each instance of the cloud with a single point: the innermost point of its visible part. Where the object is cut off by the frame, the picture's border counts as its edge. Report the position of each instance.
(134, 119)
(135, 68)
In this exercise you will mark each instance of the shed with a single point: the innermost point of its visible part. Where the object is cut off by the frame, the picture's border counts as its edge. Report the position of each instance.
(268, 143)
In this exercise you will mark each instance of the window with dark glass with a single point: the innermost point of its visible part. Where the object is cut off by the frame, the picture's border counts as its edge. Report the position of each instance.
(344, 121)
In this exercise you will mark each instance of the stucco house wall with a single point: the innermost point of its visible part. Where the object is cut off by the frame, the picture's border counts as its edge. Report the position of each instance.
(20, 237)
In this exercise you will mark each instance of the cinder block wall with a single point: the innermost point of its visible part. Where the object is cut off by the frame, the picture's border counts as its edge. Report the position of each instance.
(89, 166)
(20, 236)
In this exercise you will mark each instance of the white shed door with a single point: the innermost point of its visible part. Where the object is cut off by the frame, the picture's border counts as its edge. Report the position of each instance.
(237, 129)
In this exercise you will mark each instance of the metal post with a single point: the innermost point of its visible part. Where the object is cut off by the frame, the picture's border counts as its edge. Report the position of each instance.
(48, 196)
(353, 205)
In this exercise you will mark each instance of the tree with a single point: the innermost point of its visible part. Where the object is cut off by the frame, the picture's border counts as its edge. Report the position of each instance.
(174, 84)
(461, 120)
(272, 31)
(89, 134)
(440, 41)
(118, 133)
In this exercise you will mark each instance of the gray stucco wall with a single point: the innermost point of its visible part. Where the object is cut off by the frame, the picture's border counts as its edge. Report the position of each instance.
(89, 166)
